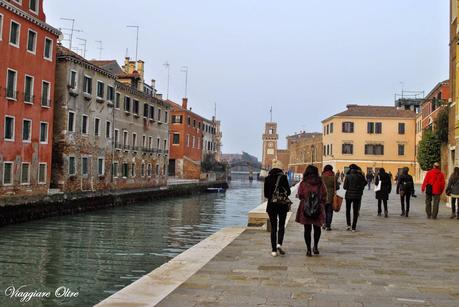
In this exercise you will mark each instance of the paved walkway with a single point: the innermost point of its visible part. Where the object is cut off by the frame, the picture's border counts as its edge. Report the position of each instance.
(396, 261)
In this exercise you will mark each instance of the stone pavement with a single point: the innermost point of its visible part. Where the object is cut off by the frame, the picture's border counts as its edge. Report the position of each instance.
(396, 261)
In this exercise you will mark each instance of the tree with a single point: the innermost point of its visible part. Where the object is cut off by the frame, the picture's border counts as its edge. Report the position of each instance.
(441, 126)
(429, 150)
(210, 164)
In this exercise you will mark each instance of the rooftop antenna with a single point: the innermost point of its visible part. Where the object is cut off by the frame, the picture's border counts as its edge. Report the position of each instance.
(72, 30)
(168, 66)
(84, 44)
(137, 42)
(215, 109)
(100, 49)
(271, 114)
(185, 70)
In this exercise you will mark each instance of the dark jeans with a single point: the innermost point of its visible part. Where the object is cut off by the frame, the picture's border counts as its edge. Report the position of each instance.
(307, 235)
(328, 215)
(355, 204)
(432, 212)
(405, 199)
(277, 236)
(380, 202)
(369, 184)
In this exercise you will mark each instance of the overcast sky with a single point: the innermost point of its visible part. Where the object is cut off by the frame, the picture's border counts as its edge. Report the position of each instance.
(306, 58)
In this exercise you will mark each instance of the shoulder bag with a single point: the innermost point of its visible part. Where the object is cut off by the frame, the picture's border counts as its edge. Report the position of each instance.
(337, 200)
(280, 198)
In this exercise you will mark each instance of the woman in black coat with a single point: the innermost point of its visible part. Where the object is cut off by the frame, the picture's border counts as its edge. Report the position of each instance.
(382, 195)
(405, 187)
(354, 184)
(277, 213)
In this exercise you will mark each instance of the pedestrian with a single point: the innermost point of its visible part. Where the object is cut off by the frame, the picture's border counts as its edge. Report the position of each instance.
(342, 176)
(453, 191)
(312, 192)
(331, 183)
(277, 212)
(390, 175)
(433, 185)
(369, 178)
(405, 187)
(383, 187)
(354, 184)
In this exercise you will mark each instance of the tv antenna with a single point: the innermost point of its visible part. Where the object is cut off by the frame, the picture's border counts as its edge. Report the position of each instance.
(100, 49)
(72, 30)
(137, 41)
(185, 70)
(168, 66)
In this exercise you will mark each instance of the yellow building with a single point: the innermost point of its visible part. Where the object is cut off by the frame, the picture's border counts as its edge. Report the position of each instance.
(419, 173)
(454, 87)
(371, 137)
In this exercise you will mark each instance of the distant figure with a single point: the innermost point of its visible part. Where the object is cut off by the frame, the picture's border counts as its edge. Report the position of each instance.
(433, 185)
(453, 191)
(331, 182)
(405, 187)
(342, 176)
(354, 184)
(313, 194)
(277, 213)
(369, 178)
(391, 176)
(382, 195)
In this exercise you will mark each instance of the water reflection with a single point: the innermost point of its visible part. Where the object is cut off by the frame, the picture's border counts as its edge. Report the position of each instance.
(98, 253)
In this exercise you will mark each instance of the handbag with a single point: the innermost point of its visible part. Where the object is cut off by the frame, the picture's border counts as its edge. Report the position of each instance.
(280, 198)
(337, 200)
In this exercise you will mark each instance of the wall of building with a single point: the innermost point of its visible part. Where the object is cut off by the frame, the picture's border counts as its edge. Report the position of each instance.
(304, 149)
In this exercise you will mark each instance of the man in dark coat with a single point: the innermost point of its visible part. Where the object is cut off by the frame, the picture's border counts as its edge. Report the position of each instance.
(382, 195)
(405, 187)
(275, 211)
(354, 184)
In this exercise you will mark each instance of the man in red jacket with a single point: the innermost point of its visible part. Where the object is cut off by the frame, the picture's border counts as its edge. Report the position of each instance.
(433, 185)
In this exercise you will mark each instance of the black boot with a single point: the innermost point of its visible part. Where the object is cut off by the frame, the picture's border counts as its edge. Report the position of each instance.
(386, 214)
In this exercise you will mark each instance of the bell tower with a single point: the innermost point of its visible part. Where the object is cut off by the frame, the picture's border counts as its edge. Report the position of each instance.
(270, 138)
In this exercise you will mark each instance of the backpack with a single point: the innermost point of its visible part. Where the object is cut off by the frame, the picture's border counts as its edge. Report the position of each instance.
(311, 206)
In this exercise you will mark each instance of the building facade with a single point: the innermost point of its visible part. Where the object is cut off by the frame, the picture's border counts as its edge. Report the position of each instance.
(27, 76)
(270, 138)
(304, 149)
(454, 86)
(371, 137)
(209, 138)
(218, 140)
(186, 142)
(108, 135)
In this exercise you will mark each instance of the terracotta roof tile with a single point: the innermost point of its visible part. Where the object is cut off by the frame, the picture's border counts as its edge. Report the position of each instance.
(374, 111)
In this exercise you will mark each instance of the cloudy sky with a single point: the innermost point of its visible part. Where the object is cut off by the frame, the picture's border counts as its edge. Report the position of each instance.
(305, 58)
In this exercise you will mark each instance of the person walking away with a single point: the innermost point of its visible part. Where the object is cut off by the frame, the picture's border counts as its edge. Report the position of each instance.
(382, 195)
(331, 183)
(452, 191)
(369, 178)
(277, 213)
(433, 186)
(405, 187)
(312, 194)
(354, 184)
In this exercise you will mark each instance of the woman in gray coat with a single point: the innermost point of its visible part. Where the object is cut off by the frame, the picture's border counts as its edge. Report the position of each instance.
(452, 190)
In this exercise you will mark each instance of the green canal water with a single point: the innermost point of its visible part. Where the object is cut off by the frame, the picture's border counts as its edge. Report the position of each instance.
(98, 253)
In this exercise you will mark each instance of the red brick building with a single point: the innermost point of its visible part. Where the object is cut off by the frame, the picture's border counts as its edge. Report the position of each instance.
(27, 73)
(435, 101)
(186, 139)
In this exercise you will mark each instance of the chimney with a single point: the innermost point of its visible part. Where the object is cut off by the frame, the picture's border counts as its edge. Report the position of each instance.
(185, 103)
(153, 84)
(141, 68)
(126, 64)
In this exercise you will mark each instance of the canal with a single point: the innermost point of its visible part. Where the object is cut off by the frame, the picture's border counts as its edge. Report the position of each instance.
(100, 252)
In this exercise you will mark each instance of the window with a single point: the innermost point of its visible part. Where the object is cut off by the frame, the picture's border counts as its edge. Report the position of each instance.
(157, 142)
(87, 85)
(135, 107)
(189, 123)
(11, 84)
(72, 166)
(45, 94)
(28, 89)
(48, 50)
(7, 173)
(177, 119)
(401, 149)
(117, 100)
(84, 166)
(115, 170)
(194, 140)
(31, 41)
(100, 89)
(100, 167)
(176, 139)
(127, 104)
(71, 122)
(327, 130)
(43, 132)
(96, 126)
(378, 128)
(125, 170)
(125, 138)
(134, 140)
(144, 141)
(108, 129)
(1, 27)
(110, 93)
(133, 170)
(27, 130)
(73, 79)
(25, 173)
(151, 114)
(142, 170)
(370, 127)
(194, 123)
(150, 142)
(374, 149)
(331, 127)
(33, 6)
(347, 149)
(84, 124)
(42, 173)
(159, 115)
(15, 33)
(187, 140)
(117, 137)
(166, 117)
(401, 128)
(157, 169)
(145, 110)
(165, 145)
(348, 127)
(149, 169)
(9, 128)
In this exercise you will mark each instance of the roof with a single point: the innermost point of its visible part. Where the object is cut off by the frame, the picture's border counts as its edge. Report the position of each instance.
(304, 135)
(176, 105)
(110, 65)
(354, 110)
(436, 88)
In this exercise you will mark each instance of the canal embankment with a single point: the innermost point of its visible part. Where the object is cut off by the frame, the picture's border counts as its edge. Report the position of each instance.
(22, 209)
